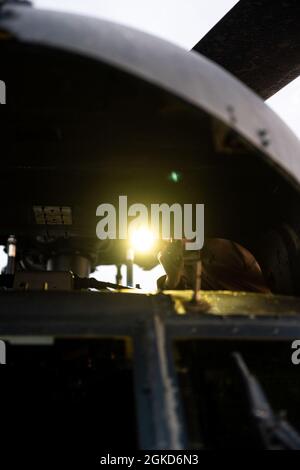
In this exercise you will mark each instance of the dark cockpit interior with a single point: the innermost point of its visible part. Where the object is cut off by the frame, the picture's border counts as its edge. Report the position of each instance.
(78, 132)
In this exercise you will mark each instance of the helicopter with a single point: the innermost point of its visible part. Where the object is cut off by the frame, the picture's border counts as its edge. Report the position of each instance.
(95, 110)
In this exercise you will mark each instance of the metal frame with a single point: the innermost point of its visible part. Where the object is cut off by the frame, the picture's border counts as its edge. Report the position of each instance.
(153, 324)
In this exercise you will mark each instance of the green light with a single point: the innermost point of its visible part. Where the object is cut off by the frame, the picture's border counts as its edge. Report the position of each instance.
(175, 176)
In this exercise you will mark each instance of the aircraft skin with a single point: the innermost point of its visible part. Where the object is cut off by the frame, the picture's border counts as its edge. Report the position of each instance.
(189, 76)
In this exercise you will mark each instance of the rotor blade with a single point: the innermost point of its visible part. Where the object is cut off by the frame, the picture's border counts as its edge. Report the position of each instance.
(258, 41)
